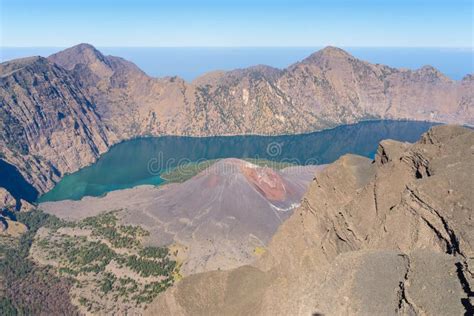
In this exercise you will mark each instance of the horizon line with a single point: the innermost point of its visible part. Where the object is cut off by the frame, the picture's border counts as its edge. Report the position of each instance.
(303, 46)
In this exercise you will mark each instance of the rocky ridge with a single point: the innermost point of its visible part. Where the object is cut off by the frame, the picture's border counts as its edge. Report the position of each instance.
(389, 236)
(59, 114)
(327, 89)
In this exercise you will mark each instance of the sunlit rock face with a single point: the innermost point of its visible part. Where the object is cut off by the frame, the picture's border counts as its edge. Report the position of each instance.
(59, 114)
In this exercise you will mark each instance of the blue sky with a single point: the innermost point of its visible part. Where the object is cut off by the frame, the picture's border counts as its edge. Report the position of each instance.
(406, 23)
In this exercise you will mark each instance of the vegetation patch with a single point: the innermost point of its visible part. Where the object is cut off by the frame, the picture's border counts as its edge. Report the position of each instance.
(147, 267)
(28, 288)
(111, 269)
(120, 236)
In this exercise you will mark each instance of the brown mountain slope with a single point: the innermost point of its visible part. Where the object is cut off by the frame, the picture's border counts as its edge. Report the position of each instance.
(111, 99)
(335, 85)
(219, 218)
(328, 88)
(393, 236)
(128, 101)
(47, 125)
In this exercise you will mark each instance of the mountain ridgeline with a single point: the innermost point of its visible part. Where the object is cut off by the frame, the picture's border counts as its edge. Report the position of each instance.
(58, 114)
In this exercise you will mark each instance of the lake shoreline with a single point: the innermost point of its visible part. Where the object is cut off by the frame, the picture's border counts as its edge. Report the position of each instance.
(129, 163)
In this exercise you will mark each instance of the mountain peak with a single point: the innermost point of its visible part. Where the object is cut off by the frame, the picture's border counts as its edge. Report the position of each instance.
(327, 53)
(432, 73)
(84, 46)
(79, 54)
(333, 51)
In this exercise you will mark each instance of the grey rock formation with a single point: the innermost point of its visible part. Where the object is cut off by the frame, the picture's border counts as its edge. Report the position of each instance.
(6, 199)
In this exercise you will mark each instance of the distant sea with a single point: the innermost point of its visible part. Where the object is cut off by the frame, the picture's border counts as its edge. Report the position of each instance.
(190, 63)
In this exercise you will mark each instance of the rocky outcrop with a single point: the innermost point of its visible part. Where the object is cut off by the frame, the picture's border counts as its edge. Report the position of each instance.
(8, 204)
(6, 199)
(389, 236)
(59, 114)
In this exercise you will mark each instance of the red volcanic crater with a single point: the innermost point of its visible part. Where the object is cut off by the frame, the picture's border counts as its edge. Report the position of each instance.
(266, 181)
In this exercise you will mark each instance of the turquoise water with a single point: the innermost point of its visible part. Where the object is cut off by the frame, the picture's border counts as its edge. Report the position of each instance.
(12, 180)
(141, 161)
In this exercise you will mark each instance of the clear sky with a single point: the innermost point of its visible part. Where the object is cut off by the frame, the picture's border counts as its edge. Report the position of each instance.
(407, 23)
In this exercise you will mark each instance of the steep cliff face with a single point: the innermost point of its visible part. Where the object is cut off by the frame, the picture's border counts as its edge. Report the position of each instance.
(128, 101)
(58, 114)
(343, 89)
(48, 126)
(328, 88)
(392, 236)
